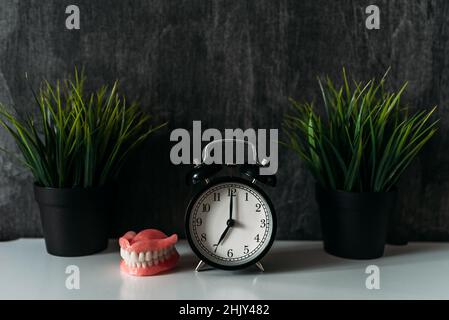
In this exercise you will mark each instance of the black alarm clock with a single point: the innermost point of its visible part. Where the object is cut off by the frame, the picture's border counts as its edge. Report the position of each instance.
(230, 221)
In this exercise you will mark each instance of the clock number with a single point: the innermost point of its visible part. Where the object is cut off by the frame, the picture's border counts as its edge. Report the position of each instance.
(199, 222)
(258, 206)
(257, 238)
(246, 196)
(245, 250)
(232, 191)
(216, 196)
(206, 207)
(203, 237)
(230, 253)
(216, 247)
(263, 223)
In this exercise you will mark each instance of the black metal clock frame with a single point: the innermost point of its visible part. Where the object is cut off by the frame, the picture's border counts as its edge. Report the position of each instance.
(211, 184)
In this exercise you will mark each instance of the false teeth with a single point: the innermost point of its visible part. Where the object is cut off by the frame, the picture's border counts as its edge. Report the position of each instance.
(134, 257)
(147, 253)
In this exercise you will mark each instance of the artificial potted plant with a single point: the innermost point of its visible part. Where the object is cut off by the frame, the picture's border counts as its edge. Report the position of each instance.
(75, 146)
(357, 146)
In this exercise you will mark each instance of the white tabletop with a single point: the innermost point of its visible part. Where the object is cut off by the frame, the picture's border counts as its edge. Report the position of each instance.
(293, 270)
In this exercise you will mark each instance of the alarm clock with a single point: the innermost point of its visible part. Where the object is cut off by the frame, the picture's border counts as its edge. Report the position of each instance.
(230, 221)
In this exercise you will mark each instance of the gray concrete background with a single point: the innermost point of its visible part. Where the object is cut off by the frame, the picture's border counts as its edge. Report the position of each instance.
(229, 64)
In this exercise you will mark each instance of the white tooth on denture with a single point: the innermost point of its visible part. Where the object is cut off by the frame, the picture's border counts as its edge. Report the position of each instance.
(146, 259)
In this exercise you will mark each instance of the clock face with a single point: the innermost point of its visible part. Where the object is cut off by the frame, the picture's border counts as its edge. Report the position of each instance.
(231, 224)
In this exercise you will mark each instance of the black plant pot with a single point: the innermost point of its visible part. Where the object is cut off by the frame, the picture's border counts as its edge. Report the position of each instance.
(75, 222)
(354, 225)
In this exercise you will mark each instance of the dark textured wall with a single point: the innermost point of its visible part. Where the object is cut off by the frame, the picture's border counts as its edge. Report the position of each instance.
(229, 64)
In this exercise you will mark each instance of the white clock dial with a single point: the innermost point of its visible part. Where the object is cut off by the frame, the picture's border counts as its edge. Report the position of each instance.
(231, 232)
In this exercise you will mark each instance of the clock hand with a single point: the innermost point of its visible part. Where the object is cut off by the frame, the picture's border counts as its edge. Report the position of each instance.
(223, 235)
(236, 205)
(230, 224)
(230, 207)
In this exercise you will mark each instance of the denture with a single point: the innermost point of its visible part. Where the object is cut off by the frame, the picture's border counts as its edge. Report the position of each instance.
(148, 252)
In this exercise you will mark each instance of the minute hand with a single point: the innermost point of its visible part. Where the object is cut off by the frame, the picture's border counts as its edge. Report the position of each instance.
(230, 207)
(229, 223)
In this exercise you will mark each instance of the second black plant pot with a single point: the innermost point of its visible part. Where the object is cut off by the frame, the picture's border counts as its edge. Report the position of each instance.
(354, 225)
(75, 222)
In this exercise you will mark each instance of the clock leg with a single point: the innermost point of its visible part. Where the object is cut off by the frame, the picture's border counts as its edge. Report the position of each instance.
(201, 266)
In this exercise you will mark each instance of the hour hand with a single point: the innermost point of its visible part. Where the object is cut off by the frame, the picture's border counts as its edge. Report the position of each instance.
(230, 224)
(223, 234)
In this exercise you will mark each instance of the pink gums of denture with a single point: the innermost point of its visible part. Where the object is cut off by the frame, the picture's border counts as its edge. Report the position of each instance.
(144, 241)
